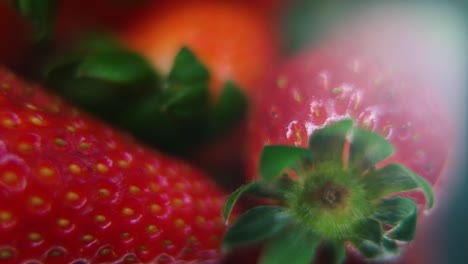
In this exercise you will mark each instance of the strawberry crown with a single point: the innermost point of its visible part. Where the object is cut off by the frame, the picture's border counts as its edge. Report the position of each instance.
(330, 194)
(174, 113)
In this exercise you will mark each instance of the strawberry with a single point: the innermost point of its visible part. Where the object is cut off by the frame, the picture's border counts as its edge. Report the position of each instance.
(230, 38)
(74, 189)
(341, 139)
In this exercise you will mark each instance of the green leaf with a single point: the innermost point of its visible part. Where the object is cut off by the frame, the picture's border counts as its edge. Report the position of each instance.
(293, 243)
(395, 178)
(232, 199)
(367, 149)
(328, 143)
(119, 67)
(335, 252)
(277, 189)
(276, 158)
(368, 238)
(401, 214)
(188, 69)
(256, 225)
(369, 249)
(230, 108)
(371, 241)
(390, 247)
(40, 14)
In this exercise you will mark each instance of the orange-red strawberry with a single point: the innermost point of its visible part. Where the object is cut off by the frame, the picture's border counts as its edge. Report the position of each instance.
(74, 189)
(230, 38)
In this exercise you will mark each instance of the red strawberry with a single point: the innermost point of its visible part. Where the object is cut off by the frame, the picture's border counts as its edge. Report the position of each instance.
(73, 189)
(334, 139)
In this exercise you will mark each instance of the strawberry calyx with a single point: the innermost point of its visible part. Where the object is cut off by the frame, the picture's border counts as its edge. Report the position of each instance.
(122, 87)
(334, 193)
(174, 113)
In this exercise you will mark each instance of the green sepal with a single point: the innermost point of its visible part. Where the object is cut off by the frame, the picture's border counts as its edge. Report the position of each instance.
(234, 197)
(230, 108)
(188, 69)
(401, 214)
(118, 67)
(368, 238)
(276, 158)
(370, 230)
(327, 143)
(103, 58)
(394, 178)
(367, 149)
(390, 248)
(335, 251)
(256, 225)
(40, 13)
(293, 243)
(277, 190)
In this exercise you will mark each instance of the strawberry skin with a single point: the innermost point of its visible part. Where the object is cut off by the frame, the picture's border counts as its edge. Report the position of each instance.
(72, 188)
(320, 87)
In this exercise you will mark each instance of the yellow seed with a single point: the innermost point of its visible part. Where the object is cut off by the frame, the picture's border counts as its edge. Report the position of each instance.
(151, 169)
(129, 259)
(6, 253)
(128, 211)
(9, 177)
(36, 121)
(134, 189)
(84, 145)
(200, 221)
(281, 82)
(123, 164)
(31, 106)
(180, 186)
(87, 238)
(5, 216)
(142, 248)
(56, 253)
(25, 147)
(46, 172)
(35, 236)
(337, 90)
(151, 229)
(297, 96)
(75, 169)
(54, 108)
(104, 192)
(179, 223)
(154, 187)
(104, 251)
(177, 202)
(36, 201)
(8, 123)
(167, 242)
(155, 208)
(5, 86)
(125, 235)
(62, 222)
(60, 142)
(102, 168)
(100, 218)
(72, 196)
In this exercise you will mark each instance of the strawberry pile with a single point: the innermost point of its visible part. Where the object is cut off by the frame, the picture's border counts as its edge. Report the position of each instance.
(124, 126)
